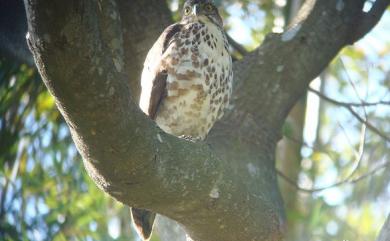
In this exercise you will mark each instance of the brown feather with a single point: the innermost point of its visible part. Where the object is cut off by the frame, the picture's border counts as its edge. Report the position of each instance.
(159, 91)
(143, 221)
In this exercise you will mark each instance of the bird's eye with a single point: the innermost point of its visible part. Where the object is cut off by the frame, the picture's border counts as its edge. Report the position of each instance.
(208, 7)
(187, 11)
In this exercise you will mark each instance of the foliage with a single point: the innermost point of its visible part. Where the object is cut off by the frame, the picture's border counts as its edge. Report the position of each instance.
(45, 192)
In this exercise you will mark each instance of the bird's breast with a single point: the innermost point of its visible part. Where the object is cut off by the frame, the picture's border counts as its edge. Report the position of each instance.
(199, 80)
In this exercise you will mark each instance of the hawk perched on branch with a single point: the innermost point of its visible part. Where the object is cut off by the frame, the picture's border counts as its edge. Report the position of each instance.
(187, 80)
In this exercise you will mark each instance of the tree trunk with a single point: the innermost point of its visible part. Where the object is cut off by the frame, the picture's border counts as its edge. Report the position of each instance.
(385, 232)
(289, 152)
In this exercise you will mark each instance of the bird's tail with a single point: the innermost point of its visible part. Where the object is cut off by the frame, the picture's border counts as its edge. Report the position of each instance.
(143, 221)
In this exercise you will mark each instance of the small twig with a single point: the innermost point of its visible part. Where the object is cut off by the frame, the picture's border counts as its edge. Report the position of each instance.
(360, 152)
(364, 103)
(303, 143)
(354, 88)
(359, 157)
(237, 46)
(353, 112)
(346, 181)
(3, 196)
(385, 231)
(363, 136)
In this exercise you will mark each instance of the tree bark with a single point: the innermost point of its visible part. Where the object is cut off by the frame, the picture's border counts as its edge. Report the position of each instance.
(288, 154)
(385, 231)
(89, 54)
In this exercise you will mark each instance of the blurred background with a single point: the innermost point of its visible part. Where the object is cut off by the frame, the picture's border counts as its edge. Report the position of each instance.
(333, 170)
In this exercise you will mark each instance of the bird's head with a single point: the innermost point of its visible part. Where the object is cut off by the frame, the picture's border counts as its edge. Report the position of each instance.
(203, 10)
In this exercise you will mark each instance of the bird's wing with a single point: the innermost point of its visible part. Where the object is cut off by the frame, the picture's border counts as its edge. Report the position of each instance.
(154, 77)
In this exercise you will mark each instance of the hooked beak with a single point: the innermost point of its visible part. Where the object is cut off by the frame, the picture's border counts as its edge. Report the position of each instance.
(196, 9)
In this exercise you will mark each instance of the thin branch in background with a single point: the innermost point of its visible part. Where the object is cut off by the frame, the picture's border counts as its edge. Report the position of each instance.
(305, 144)
(385, 231)
(343, 182)
(354, 88)
(237, 46)
(3, 194)
(348, 179)
(353, 104)
(356, 104)
(353, 112)
(362, 137)
(360, 152)
(361, 104)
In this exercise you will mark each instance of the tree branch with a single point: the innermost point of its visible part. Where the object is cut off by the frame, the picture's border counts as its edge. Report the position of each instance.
(237, 46)
(369, 19)
(77, 48)
(278, 72)
(142, 23)
(385, 232)
(90, 60)
(364, 103)
(359, 157)
(337, 184)
(353, 112)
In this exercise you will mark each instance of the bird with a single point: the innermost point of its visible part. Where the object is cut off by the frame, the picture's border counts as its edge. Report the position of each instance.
(186, 82)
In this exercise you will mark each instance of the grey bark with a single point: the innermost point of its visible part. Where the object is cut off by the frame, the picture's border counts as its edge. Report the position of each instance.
(288, 152)
(222, 189)
(385, 231)
(169, 230)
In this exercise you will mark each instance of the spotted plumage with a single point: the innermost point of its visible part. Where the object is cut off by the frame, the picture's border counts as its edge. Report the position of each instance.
(187, 77)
